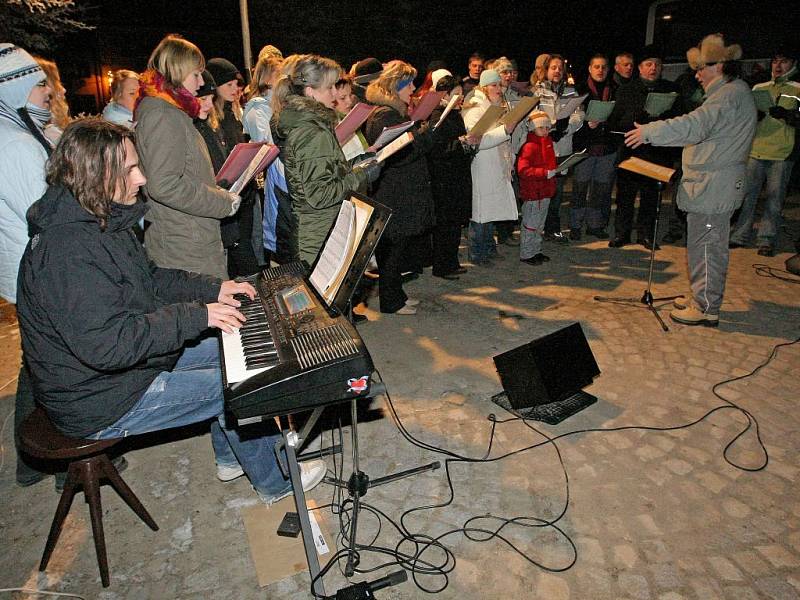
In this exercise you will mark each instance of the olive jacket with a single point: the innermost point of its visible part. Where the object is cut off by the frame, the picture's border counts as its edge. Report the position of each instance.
(186, 205)
(317, 174)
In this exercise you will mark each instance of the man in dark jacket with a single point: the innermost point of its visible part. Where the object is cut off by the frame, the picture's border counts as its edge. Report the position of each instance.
(594, 176)
(115, 344)
(630, 109)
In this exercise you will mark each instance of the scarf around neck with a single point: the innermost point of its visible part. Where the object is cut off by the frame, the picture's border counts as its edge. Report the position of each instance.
(604, 94)
(152, 84)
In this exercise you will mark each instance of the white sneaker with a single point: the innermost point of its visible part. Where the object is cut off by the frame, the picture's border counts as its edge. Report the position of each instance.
(225, 473)
(311, 474)
(412, 302)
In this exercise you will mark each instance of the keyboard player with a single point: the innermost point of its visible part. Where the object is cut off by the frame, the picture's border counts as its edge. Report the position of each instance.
(117, 346)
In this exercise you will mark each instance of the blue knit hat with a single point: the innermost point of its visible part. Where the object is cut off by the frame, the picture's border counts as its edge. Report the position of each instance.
(489, 76)
(19, 73)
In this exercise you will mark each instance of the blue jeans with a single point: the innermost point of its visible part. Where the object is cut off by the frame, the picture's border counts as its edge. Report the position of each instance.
(591, 198)
(481, 241)
(777, 173)
(192, 392)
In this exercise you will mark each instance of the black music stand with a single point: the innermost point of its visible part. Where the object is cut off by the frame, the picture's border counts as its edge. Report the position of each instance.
(647, 297)
(359, 482)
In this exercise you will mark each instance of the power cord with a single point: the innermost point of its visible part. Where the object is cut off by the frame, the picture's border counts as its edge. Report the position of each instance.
(420, 544)
(768, 271)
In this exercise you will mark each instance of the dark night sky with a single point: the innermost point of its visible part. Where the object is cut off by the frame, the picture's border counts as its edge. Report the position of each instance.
(415, 30)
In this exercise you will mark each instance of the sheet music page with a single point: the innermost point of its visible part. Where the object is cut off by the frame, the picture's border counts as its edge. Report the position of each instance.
(362, 213)
(334, 254)
(571, 160)
(248, 173)
(598, 110)
(390, 133)
(426, 105)
(354, 119)
(566, 108)
(520, 110)
(488, 121)
(447, 109)
(391, 148)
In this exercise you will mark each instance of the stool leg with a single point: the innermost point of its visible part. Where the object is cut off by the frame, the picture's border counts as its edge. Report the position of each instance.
(61, 514)
(110, 471)
(91, 473)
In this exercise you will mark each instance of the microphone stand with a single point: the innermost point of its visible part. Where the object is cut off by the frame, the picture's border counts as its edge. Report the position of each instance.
(647, 297)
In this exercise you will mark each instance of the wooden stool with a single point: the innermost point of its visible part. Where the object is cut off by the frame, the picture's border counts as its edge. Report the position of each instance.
(88, 465)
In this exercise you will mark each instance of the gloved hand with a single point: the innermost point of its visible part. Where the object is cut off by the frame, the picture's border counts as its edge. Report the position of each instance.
(362, 157)
(551, 173)
(224, 184)
(372, 170)
(559, 129)
(778, 112)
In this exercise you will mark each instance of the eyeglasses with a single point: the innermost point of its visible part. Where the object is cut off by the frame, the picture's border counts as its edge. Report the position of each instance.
(700, 68)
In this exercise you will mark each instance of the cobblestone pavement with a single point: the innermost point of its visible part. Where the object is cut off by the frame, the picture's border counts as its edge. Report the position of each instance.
(652, 514)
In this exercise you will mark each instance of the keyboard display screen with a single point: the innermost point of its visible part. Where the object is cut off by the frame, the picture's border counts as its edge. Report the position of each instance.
(296, 299)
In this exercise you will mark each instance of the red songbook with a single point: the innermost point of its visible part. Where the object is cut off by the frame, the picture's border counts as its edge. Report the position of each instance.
(245, 162)
(354, 119)
(426, 105)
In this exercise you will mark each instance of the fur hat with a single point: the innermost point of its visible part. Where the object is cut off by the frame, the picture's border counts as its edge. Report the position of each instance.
(223, 71)
(437, 75)
(19, 73)
(502, 65)
(539, 119)
(489, 76)
(712, 50)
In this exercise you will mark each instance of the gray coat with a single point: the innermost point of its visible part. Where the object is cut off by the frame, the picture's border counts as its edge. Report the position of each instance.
(716, 137)
(185, 202)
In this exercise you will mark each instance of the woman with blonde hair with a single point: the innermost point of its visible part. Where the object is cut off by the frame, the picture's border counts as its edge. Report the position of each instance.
(59, 109)
(493, 196)
(279, 225)
(186, 204)
(124, 92)
(317, 173)
(404, 186)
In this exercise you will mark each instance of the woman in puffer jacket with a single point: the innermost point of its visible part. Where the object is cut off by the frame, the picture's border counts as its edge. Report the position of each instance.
(317, 174)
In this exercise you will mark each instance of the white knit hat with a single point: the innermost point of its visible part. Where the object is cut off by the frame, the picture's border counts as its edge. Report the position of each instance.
(540, 119)
(437, 75)
(19, 73)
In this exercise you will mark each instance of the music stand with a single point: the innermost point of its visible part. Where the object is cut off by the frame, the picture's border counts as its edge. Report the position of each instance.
(662, 176)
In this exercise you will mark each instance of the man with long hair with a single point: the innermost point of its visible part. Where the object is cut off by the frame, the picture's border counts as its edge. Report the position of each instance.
(116, 345)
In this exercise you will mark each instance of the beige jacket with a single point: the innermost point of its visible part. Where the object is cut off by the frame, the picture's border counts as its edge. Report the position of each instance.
(185, 203)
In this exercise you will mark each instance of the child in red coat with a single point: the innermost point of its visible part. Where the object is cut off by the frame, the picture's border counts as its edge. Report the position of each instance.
(536, 169)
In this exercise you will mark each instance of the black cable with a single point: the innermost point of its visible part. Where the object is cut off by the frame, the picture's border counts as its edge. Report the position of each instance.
(767, 271)
(421, 544)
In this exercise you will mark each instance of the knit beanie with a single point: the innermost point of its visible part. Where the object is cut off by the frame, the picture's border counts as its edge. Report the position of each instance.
(540, 119)
(489, 76)
(19, 73)
(367, 70)
(437, 75)
(223, 71)
(209, 85)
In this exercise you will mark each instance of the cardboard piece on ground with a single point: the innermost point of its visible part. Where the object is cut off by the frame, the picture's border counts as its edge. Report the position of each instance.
(276, 557)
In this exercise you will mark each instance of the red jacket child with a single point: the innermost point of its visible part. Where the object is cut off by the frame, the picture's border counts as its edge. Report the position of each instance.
(534, 161)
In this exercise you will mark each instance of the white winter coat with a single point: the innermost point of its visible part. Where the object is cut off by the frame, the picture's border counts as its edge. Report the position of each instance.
(492, 194)
(22, 161)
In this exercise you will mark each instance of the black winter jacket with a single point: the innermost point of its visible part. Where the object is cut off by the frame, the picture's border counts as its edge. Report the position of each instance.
(99, 321)
(449, 164)
(405, 182)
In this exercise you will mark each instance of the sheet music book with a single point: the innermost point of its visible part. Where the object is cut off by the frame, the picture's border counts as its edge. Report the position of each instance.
(567, 107)
(658, 103)
(520, 110)
(599, 110)
(572, 160)
(245, 162)
(426, 105)
(447, 109)
(763, 100)
(354, 119)
(403, 140)
(648, 169)
(489, 120)
(340, 247)
(390, 133)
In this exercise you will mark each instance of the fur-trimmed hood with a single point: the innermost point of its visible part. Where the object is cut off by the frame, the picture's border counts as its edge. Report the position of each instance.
(299, 109)
(377, 96)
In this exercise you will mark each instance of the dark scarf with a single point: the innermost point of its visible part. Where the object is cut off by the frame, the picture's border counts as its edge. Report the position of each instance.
(605, 94)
